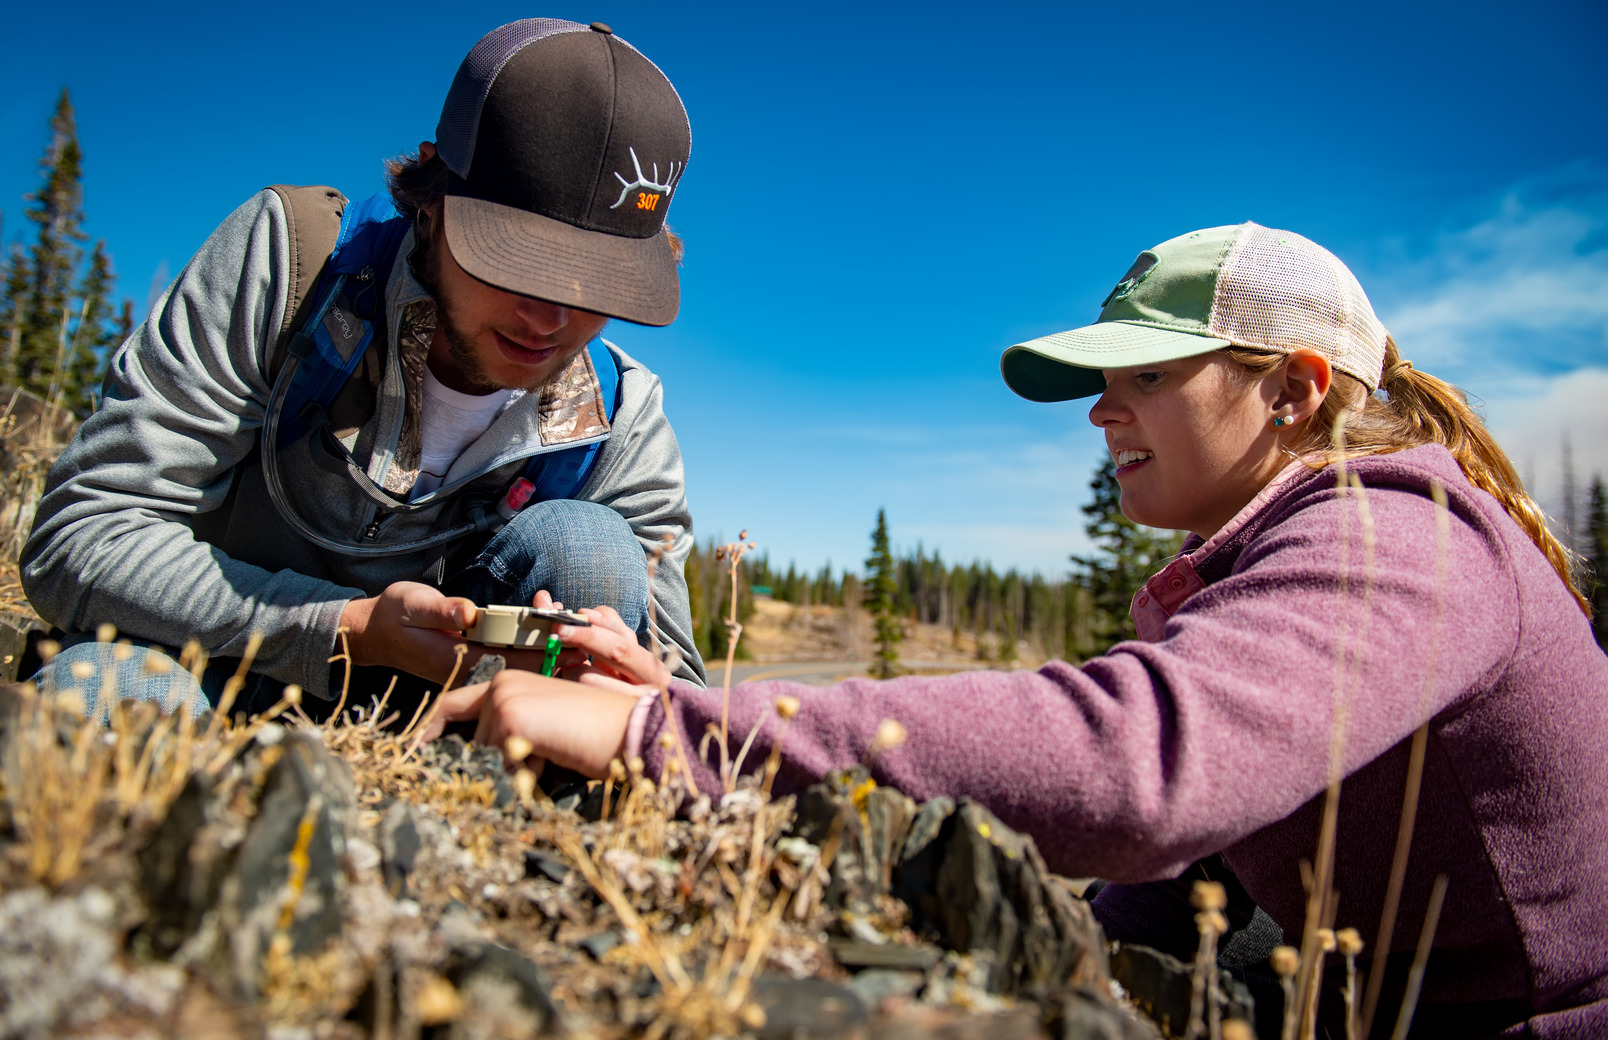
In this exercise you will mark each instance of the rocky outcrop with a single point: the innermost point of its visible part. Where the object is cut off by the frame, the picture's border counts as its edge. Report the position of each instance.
(414, 893)
(979, 886)
(251, 858)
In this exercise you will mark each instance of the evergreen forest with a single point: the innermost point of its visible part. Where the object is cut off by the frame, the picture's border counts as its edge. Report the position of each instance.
(58, 319)
(1075, 616)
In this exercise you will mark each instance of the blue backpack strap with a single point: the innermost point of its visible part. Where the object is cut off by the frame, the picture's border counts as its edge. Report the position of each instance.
(608, 376)
(332, 343)
(560, 474)
(371, 233)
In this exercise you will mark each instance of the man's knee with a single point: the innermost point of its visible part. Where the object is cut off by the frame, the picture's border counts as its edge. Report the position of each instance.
(95, 672)
(583, 553)
(565, 528)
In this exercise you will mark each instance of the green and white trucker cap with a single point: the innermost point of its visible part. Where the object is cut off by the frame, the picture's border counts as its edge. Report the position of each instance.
(1243, 285)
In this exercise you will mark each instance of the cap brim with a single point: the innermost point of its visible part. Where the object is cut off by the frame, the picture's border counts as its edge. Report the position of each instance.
(1066, 365)
(633, 279)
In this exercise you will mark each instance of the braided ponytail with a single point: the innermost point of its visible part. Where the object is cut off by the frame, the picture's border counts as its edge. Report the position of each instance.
(1421, 409)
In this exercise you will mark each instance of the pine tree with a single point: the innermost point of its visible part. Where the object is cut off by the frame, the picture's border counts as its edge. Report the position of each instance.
(881, 589)
(825, 590)
(11, 310)
(57, 326)
(1128, 555)
(96, 335)
(1597, 558)
(58, 210)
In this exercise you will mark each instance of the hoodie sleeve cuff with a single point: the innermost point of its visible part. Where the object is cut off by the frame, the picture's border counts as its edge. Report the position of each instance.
(636, 727)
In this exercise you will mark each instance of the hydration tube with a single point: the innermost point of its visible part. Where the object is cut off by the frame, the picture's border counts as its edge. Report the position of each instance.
(281, 499)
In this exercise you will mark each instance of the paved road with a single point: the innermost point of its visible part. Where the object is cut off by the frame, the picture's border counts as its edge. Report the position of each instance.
(820, 673)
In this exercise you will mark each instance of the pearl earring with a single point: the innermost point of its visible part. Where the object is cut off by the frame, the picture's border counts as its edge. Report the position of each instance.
(1279, 420)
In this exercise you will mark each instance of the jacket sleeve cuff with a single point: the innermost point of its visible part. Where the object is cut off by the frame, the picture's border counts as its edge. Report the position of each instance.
(319, 670)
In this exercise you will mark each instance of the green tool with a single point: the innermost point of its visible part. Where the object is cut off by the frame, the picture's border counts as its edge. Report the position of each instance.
(550, 662)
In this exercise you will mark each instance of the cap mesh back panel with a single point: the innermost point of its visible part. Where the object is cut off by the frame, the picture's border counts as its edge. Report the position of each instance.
(1280, 291)
(460, 116)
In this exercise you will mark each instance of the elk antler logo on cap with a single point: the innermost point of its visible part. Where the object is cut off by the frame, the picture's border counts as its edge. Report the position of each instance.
(645, 199)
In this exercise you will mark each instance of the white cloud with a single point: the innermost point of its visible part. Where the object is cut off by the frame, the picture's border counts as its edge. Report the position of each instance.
(1531, 428)
(1513, 308)
(1515, 299)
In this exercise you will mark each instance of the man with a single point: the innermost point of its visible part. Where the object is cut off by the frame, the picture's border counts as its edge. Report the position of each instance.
(215, 496)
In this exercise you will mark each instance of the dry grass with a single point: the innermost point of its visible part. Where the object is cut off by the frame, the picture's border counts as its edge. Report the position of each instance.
(32, 434)
(76, 792)
(727, 896)
(80, 785)
(678, 888)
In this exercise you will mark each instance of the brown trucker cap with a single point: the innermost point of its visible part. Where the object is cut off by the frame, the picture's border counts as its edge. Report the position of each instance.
(565, 146)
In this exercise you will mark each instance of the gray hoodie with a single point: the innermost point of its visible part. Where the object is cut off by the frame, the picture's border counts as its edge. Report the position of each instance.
(157, 517)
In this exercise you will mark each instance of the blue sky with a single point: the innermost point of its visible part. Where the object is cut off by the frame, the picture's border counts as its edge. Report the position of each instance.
(883, 197)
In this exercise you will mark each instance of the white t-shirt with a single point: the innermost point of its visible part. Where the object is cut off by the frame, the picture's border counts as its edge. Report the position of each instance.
(449, 423)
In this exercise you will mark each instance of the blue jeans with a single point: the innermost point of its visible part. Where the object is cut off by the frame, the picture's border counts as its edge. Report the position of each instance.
(581, 552)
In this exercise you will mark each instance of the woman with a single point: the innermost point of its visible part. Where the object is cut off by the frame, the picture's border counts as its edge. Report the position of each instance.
(1236, 369)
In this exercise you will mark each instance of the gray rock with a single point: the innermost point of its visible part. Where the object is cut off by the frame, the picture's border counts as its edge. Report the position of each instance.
(550, 867)
(870, 836)
(52, 953)
(1162, 986)
(854, 954)
(825, 810)
(879, 984)
(1081, 1014)
(889, 815)
(821, 807)
(601, 942)
(183, 863)
(399, 847)
(504, 995)
(974, 884)
(916, 876)
(452, 754)
(224, 872)
(810, 1007)
(288, 876)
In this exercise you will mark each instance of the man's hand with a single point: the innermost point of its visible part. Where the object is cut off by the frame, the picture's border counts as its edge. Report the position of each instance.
(413, 628)
(578, 727)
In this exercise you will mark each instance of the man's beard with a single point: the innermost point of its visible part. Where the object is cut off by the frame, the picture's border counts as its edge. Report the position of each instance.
(463, 355)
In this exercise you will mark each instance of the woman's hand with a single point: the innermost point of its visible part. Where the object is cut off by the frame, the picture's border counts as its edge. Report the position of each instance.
(609, 655)
(575, 726)
(577, 720)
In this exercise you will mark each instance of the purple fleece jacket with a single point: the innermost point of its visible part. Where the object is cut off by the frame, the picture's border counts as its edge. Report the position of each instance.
(1216, 737)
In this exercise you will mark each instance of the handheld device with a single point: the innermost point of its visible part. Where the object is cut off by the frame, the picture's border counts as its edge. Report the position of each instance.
(519, 626)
